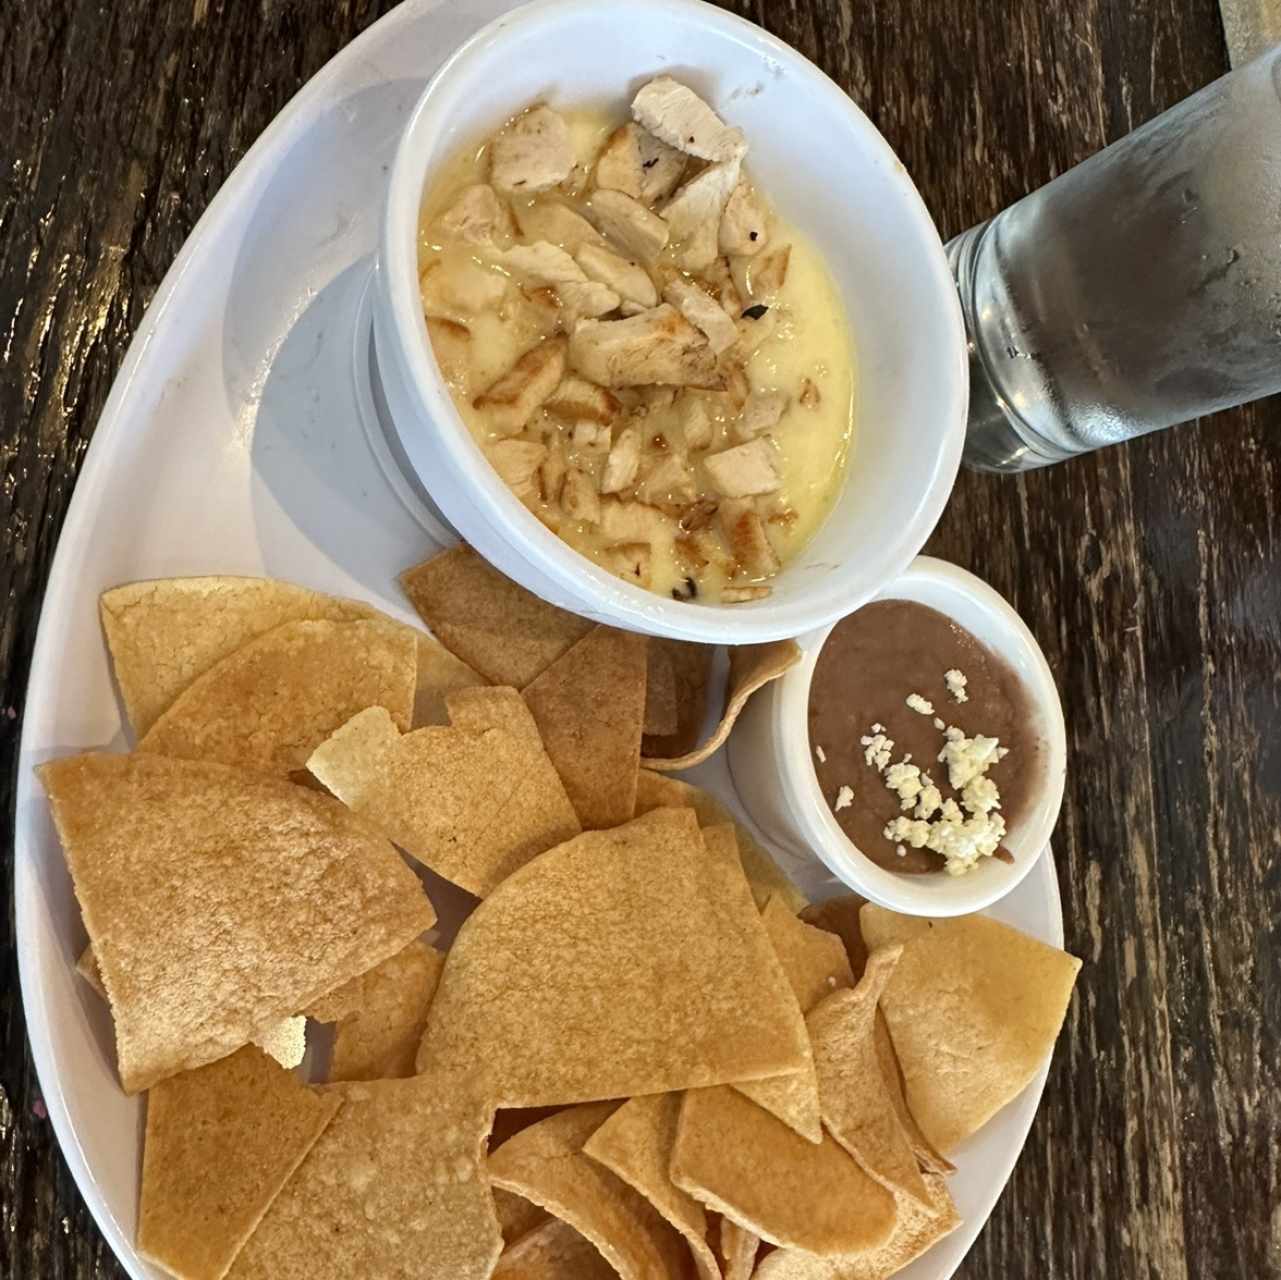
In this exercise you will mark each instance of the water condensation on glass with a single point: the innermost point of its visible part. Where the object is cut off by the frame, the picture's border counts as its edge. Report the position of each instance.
(1140, 289)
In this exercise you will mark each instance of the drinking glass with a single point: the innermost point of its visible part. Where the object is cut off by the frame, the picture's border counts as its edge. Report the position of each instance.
(1140, 289)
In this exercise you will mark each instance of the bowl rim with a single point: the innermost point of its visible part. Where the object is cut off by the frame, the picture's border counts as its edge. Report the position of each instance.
(550, 558)
(938, 894)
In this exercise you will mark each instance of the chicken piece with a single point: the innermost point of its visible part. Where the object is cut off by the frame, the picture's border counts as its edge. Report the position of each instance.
(518, 463)
(702, 311)
(658, 345)
(635, 229)
(810, 395)
(669, 479)
(719, 280)
(648, 401)
(533, 153)
(696, 420)
(579, 499)
(737, 388)
(590, 437)
(629, 280)
(697, 550)
(753, 327)
(585, 300)
(623, 462)
(768, 274)
(451, 345)
(747, 540)
(699, 251)
(741, 595)
(577, 400)
(558, 224)
(628, 309)
(510, 402)
(475, 216)
(743, 229)
(744, 470)
(761, 413)
(679, 117)
(698, 515)
(622, 521)
(701, 200)
(460, 287)
(631, 561)
(551, 474)
(638, 164)
(541, 264)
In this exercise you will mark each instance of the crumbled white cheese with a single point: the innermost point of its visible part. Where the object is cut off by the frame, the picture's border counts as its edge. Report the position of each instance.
(909, 831)
(956, 682)
(967, 758)
(904, 779)
(920, 705)
(844, 798)
(822, 755)
(877, 748)
(929, 801)
(939, 724)
(981, 796)
(902, 853)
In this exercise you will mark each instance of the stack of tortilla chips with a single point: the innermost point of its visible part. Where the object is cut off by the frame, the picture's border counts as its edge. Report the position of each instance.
(642, 1055)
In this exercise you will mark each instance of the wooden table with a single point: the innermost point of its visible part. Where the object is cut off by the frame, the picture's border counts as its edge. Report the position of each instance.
(1150, 574)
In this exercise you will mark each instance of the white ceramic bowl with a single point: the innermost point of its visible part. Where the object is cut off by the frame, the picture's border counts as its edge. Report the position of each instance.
(773, 766)
(828, 170)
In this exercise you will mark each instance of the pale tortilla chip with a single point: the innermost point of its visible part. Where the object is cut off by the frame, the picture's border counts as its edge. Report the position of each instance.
(197, 961)
(394, 1188)
(739, 1248)
(623, 962)
(657, 791)
(750, 668)
(273, 701)
(554, 1251)
(739, 1160)
(675, 697)
(546, 1164)
(384, 1013)
(221, 1142)
(589, 706)
(636, 1143)
(506, 633)
(439, 675)
(915, 1230)
(165, 633)
(473, 807)
(982, 997)
(517, 1217)
(857, 1109)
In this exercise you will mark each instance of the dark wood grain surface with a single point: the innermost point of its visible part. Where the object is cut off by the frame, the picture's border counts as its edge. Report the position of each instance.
(1151, 574)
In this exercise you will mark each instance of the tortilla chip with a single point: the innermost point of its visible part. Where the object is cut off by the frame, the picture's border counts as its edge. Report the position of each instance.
(383, 1013)
(984, 998)
(165, 633)
(269, 704)
(857, 1109)
(221, 1142)
(915, 1230)
(739, 1160)
(675, 696)
(839, 915)
(439, 675)
(815, 965)
(471, 806)
(394, 1188)
(636, 1143)
(509, 1121)
(739, 1248)
(506, 633)
(555, 1251)
(546, 1164)
(750, 668)
(623, 962)
(589, 706)
(197, 961)
(657, 791)
(517, 1217)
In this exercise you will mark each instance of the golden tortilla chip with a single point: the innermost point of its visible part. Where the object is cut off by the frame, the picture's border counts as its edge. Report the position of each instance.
(636, 1143)
(915, 1229)
(394, 1188)
(471, 806)
(589, 706)
(506, 633)
(554, 1251)
(739, 1248)
(165, 633)
(219, 902)
(623, 962)
(273, 701)
(977, 995)
(546, 1164)
(383, 1015)
(221, 1142)
(739, 1160)
(675, 696)
(517, 1217)
(750, 668)
(857, 1108)
(657, 791)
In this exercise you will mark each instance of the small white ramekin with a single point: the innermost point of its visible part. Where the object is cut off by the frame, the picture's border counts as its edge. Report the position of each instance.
(828, 170)
(771, 757)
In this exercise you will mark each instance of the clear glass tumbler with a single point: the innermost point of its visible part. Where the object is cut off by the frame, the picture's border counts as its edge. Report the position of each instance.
(1140, 289)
